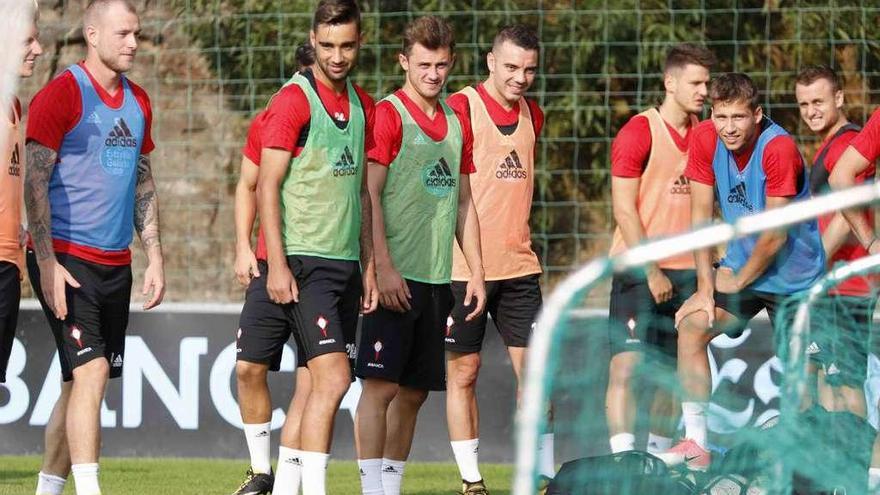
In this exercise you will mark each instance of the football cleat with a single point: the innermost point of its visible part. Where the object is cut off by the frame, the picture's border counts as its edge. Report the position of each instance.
(256, 484)
(687, 452)
(475, 488)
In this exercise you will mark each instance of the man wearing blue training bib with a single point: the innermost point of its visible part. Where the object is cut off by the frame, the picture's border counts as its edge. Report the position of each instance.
(753, 165)
(88, 188)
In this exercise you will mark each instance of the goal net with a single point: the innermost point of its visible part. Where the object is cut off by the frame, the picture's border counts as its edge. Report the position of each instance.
(768, 431)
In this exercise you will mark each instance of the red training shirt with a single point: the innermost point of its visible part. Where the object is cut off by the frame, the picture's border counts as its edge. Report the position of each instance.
(782, 162)
(388, 132)
(55, 110)
(851, 249)
(631, 147)
(867, 143)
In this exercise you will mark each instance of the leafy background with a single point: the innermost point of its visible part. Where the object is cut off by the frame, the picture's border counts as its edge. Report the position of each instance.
(210, 65)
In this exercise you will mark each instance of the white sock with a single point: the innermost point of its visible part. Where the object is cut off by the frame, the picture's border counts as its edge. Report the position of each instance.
(258, 436)
(48, 484)
(873, 479)
(467, 453)
(546, 461)
(392, 476)
(622, 442)
(314, 472)
(695, 423)
(371, 476)
(85, 477)
(289, 472)
(658, 443)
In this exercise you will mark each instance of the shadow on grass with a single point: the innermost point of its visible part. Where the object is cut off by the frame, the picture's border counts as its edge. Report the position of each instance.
(450, 492)
(15, 475)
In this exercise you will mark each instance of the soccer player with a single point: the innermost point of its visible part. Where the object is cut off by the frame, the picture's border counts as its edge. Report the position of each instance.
(508, 126)
(315, 215)
(264, 327)
(844, 353)
(12, 233)
(857, 160)
(753, 165)
(84, 196)
(651, 197)
(419, 167)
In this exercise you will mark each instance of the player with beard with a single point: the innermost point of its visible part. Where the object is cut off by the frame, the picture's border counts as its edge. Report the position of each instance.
(509, 125)
(650, 197)
(315, 215)
(84, 199)
(419, 167)
(753, 165)
(842, 350)
(264, 327)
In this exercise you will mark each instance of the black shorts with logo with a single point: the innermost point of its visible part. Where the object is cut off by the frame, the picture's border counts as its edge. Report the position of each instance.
(326, 316)
(747, 303)
(97, 313)
(513, 304)
(10, 296)
(407, 348)
(840, 333)
(635, 319)
(265, 326)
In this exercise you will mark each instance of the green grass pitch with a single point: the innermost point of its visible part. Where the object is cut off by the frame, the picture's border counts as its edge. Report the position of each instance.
(208, 477)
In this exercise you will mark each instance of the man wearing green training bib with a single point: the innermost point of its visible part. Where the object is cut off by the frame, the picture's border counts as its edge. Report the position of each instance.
(418, 176)
(315, 215)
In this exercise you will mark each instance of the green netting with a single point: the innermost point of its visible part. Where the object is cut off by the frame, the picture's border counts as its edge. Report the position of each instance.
(787, 412)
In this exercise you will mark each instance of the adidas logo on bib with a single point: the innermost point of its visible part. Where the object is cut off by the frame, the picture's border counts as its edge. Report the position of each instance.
(345, 165)
(438, 178)
(737, 195)
(511, 169)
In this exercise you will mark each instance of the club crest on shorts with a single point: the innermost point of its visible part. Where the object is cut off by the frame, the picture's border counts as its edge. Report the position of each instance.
(450, 322)
(631, 328)
(76, 334)
(322, 324)
(377, 347)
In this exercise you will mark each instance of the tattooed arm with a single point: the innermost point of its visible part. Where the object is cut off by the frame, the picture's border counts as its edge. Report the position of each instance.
(53, 276)
(146, 222)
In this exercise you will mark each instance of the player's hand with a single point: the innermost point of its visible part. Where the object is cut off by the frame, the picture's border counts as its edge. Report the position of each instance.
(393, 291)
(697, 302)
(54, 280)
(22, 235)
(154, 285)
(476, 292)
(281, 285)
(245, 266)
(370, 299)
(725, 281)
(659, 285)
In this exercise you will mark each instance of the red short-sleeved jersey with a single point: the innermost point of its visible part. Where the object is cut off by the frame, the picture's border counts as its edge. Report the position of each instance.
(782, 162)
(252, 150)
(388, 132)
(501, 116)
(632, 146)
(57, 108)
(867, 143)
(288, 113)
(851, 249)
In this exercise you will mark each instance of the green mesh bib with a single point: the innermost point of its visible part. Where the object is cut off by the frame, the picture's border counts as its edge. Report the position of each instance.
(420, 199)
(320, 196)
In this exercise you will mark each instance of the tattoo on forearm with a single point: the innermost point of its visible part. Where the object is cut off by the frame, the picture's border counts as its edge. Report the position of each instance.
(146, 205)
(40, 164)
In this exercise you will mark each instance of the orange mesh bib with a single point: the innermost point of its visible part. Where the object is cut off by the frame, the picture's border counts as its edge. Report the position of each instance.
(664, 202)
(502, 189)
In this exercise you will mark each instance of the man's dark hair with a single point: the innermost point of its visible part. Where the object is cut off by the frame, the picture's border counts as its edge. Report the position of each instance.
(305, 55)
(688, 54)
(430, 31)
(520, 35)
(812, 73)
(735, 87)
(335, 12)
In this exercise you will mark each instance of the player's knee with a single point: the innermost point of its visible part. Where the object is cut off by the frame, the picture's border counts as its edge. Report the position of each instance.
(411, 398)
(465, 371)
(623, 367)
(694, 328)
(379, 391)
(96, 370)
(250, 373)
